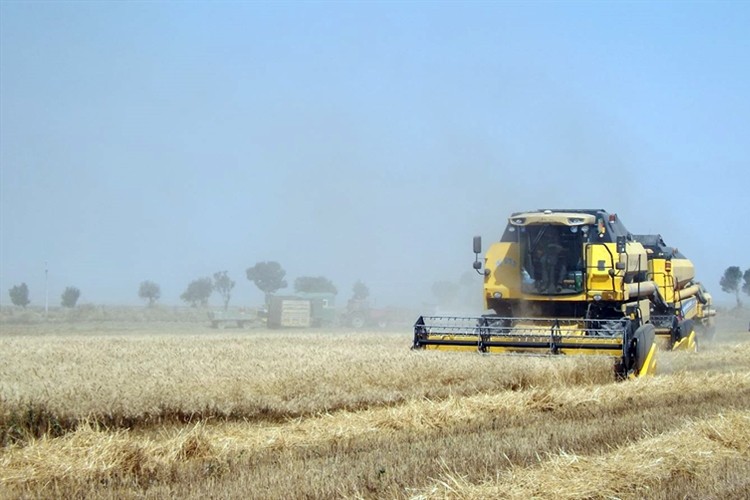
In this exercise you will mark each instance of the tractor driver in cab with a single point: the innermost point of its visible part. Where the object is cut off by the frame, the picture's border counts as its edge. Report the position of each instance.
(552, 259)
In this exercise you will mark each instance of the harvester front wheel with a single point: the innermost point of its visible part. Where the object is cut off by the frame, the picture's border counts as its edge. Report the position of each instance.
(644, 338)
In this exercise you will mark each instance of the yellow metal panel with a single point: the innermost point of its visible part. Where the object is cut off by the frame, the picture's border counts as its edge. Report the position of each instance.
(686, 344)
(451, 348)
(663, 279)
(649, 366)
(635, 258)
(503, 260)
(600, 259)
(552, 218)
(683, 270)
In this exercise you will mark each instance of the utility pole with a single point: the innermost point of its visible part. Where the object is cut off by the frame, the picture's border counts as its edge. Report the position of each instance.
(46, 288)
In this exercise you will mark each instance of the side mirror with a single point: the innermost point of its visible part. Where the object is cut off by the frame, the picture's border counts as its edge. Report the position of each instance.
(477, 244)
(621, 243)
(477, 251)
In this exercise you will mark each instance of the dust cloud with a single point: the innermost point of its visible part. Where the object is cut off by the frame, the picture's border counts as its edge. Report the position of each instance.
(357, 142)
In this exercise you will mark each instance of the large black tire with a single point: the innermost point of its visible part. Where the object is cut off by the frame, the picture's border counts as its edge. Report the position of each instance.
(674, 332)
(644, 338)
(685, 329)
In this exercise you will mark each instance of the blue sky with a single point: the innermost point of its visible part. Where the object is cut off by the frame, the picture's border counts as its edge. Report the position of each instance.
(170, 140)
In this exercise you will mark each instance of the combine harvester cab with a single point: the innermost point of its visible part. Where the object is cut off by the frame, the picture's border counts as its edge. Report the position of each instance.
(682, 308)
(567, 282)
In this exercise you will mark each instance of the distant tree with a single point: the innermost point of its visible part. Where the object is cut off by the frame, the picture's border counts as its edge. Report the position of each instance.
(469, 279)
(445, 292)
(267, 276)
(730, 282)
(360, 291)
(470, 289)
(746, 285)
(198, 292)
(149, 291)
(223, 284)
(70, 297)
(19, 295)
(314, 284)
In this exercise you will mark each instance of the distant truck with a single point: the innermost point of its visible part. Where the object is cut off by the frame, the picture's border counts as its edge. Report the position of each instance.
(289, 312)
(302, 310)
(322, 307)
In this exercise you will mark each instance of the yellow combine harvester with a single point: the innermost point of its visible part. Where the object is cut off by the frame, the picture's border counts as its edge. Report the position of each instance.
(682, 307)
(574, 282)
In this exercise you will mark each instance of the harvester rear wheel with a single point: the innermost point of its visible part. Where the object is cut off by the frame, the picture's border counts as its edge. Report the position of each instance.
(644, 338)
(685, 329)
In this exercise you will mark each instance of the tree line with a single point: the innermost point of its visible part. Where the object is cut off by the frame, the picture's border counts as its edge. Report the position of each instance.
(19, 296)
(268, 276)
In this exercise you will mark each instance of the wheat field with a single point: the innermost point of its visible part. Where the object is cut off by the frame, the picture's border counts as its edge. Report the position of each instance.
(117, 409)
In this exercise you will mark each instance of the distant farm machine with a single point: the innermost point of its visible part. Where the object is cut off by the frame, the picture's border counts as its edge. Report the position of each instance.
(576, 282)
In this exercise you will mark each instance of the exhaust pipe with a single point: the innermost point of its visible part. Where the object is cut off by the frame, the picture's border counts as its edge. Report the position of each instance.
(642, 289)
(688, 292)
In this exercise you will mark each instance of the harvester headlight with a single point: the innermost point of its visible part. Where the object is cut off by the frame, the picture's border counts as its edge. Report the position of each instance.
(518, 220)
(585, 229)
(497, 295)
(597, 297)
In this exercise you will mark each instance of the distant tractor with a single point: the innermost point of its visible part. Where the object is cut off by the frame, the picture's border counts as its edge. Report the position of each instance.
(359, 314)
